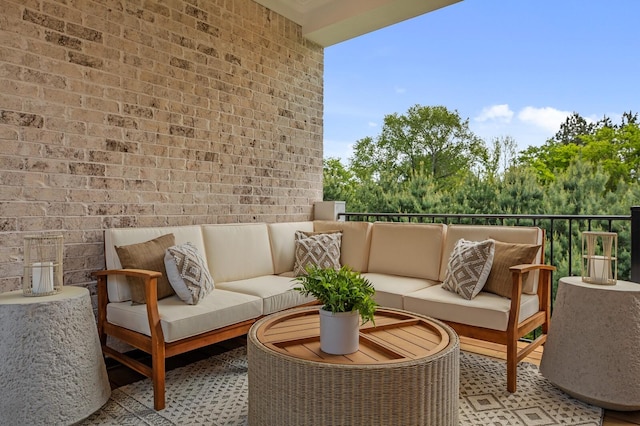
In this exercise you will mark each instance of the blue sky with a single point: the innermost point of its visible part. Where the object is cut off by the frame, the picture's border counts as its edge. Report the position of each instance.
(512, 67)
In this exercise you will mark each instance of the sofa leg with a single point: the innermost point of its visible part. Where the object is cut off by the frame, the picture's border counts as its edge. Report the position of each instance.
(158, 374)
(512, 367)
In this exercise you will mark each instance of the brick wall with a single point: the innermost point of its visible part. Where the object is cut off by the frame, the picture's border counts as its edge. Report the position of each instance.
(120, 113)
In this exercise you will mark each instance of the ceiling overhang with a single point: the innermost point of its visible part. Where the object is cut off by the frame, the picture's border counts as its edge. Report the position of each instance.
(328, 22)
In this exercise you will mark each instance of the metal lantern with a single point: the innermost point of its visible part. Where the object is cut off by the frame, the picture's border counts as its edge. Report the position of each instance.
(42, 265)
(599, 257)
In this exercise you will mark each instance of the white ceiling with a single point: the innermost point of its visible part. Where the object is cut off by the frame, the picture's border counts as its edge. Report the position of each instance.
(328, 22)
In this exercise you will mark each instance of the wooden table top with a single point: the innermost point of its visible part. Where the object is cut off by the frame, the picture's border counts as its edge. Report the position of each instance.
(396, 337)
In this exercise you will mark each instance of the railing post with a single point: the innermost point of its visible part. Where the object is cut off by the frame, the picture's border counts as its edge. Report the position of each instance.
(635, 244)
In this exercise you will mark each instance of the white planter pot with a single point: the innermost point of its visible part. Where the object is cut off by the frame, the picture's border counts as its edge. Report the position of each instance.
(339, 332)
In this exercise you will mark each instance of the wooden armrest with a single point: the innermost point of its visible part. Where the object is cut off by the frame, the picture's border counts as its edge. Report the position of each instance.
(531, 267)
(141, 273)
(149, 279)
(544, 287)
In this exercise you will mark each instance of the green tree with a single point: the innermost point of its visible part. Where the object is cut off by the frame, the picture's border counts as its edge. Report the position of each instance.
(500, 157)
(339, 182)
(431, 141)
(615, 147)
(520, 193)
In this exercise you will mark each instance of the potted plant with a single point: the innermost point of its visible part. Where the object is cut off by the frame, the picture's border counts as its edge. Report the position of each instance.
(345, 295)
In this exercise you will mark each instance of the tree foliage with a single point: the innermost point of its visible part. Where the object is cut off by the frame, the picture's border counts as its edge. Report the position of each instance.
(428, 161)
(426, 141)
(615, 147)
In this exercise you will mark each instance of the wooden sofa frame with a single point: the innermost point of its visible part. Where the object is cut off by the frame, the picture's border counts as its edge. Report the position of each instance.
(160, 350)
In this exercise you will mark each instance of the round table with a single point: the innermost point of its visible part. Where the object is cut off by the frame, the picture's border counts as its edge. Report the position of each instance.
(591, 351)
(406, 372)
(52, 369)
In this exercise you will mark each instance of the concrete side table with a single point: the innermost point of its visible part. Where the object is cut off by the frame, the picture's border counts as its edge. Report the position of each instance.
(592, 347)
(52, 369)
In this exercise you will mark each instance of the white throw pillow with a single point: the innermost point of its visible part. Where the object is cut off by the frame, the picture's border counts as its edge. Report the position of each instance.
(318, 249)
(469, 267)
(187, 273)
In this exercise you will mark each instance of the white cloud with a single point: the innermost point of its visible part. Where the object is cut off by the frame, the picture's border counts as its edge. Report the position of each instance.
(400, 90)
(547, 118)
(372, 124)
(500, 113)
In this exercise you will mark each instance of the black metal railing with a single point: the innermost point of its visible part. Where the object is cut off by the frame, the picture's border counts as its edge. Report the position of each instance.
(558, 228)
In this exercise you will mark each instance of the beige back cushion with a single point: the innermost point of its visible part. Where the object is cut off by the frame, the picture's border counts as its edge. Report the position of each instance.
(117, 286)
(282, 239)
(406, 249)
(237, 251)
(506, 234)
(356, 240)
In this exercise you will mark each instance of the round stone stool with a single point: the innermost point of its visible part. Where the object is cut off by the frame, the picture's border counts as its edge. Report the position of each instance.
(592, 347)
(52, 370)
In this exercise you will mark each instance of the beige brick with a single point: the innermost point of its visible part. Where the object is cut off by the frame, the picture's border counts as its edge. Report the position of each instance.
(105, 130)
(86, 115)
(16, 88)
(61, 97)
(80, 195)
(110, 184)
(12, 103)
(8, 134)
(67, 209)
(64, 125)
(98, 104)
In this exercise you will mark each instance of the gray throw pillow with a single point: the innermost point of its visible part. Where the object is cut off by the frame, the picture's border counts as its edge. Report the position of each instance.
(187, 273)
(317, 249)
(469, 267)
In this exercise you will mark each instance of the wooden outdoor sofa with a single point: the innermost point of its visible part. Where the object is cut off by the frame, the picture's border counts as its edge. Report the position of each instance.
(251, 266)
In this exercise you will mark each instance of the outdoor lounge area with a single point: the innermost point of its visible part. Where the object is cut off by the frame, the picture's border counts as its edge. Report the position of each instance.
(137, 133)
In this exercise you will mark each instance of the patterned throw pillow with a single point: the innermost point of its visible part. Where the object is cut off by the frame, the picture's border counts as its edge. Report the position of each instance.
(150, 256)
(506, 256)
(469, 267)
(187, 272)
(321, 250)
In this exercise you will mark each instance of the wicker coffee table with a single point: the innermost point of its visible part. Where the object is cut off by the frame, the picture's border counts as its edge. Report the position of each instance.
(406, 372)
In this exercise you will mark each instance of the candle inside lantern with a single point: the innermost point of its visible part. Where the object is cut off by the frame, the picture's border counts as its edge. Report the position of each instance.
(42, 277)
(600, 269)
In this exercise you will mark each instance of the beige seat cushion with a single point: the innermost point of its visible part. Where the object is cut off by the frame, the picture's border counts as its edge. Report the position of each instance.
(118, 288)
(406, 249)
(485, 310)
(507, 234)
(356, 240)
(237, 251)
(281, 237)
(390, 289)
(179, 320)
(276, 292)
